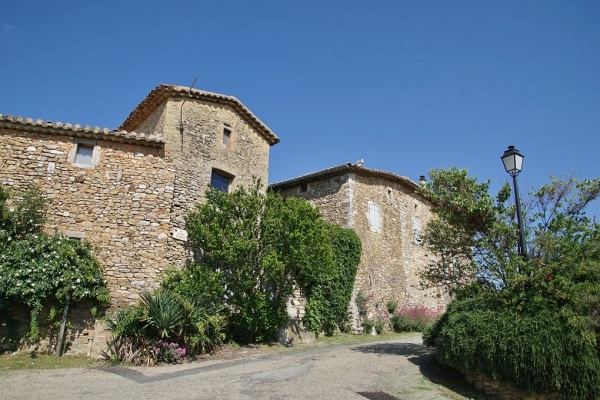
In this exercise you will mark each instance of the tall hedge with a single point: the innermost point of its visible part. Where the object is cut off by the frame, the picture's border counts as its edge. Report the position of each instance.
(545, 350)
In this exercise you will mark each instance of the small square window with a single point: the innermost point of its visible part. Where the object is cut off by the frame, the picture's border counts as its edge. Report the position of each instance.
(84, 154)
(219, 181)
(226, 136)
(304, 188)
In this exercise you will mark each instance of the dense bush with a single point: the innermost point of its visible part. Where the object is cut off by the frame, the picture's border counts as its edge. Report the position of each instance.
(530, 320)
(535, 352)
(254, 248)
(163, 328)
(412, 319)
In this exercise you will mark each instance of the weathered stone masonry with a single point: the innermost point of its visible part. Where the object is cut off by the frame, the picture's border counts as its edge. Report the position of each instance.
(128, 192)
(130, 202)
(388, 216)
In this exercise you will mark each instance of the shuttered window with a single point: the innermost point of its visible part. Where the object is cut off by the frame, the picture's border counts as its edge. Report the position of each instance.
(374, 217)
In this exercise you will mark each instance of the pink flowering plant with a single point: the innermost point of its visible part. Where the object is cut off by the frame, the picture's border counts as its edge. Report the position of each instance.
(169, 353)
(413, 318)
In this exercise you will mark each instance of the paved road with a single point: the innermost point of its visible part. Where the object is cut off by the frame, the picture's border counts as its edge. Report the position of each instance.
(400, 368)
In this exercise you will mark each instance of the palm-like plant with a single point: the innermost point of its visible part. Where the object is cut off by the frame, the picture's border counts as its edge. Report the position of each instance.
(165, 314)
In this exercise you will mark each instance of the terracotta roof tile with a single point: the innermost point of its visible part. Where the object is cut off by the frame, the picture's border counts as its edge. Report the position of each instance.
(343, 169)
(163, 92)
(58, 128)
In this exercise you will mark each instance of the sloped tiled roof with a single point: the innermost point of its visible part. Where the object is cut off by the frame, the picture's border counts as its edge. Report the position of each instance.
(341, 170)
(163, 92)
(57, 128)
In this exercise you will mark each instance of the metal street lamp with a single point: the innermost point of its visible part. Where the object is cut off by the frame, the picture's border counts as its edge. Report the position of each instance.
(513, 163)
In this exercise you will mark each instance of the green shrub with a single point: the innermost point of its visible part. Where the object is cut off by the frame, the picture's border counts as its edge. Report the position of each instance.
(129, 342)
(164, 314)
(379, 325)
(368, 325)
(533, 352)
(164, 327)
(258, 246)
(36, 267)
(413, 319)
(400, 323)
(391, 306)
(362, 302)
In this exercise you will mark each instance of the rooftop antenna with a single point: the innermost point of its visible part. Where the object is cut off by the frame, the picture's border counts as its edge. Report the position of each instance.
(181, 111)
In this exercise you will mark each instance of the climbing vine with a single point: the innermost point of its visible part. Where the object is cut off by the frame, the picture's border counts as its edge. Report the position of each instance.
(328, 297)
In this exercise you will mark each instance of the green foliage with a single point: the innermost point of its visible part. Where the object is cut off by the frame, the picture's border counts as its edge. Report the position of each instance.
(254, 248)
(473, 234)
(196, 283)
(163, 327)
(164, 314)
(535, 352)
(35, 266)
(379, 324)
(328, 297)
(27, 215)
(368, 325)
(391, 306)
(413, 319)
(532, 322)
(362, 302)
(129, 342)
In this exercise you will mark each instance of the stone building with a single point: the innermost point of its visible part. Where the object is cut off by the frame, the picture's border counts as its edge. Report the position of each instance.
(127, 190)
(388, 216)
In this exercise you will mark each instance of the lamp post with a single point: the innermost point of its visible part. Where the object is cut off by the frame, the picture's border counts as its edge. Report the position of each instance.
(513, 163)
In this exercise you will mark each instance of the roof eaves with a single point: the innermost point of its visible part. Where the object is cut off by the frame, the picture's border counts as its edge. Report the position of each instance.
(162, 92)
(342, 169)
(58, 128)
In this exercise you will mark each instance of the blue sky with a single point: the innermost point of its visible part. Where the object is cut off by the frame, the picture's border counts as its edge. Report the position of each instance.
(405, 85)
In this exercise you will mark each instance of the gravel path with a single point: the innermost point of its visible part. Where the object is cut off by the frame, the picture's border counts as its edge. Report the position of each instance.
(402, 368)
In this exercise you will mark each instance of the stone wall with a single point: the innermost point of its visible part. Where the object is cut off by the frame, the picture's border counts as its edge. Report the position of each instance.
(500, 391)
(392, 253)
(121, 205)
(195, 152)
(130, 202)
(80, 334)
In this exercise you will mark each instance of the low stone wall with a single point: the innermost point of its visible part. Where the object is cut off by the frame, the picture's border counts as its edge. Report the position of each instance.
(501, 391)
(79, 335)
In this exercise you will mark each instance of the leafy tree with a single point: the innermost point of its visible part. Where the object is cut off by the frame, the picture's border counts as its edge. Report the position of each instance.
(505, 306)
(257, 246)
(474, 235)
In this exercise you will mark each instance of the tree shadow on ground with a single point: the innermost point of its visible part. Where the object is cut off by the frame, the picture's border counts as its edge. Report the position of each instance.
(424, 358)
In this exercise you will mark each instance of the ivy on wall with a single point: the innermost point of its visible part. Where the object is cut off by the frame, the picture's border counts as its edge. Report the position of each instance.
(328, 297)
